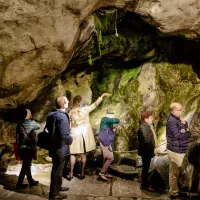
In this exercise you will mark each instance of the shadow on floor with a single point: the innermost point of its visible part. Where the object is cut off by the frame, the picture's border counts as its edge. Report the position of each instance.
(9, 182)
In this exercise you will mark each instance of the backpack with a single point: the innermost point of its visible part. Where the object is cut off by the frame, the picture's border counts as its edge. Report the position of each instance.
(31, 140)
(44, 140)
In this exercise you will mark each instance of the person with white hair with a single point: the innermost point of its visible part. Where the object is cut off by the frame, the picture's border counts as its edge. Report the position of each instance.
(26, 152)
(177, 143)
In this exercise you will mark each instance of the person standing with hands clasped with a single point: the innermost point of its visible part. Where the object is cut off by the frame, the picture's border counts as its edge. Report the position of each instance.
(177, 143)
(147, 143)
(81, 131)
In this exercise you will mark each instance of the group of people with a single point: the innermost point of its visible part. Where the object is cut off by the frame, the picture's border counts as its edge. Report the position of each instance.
(71, 135)
(177, 135)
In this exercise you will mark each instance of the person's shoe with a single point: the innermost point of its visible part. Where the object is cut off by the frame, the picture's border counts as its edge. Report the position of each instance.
(81, 177)
(62, 189)
(34, 183)
(70, 177)
(174, 196)
(21, 186)
(109, 175)
(149, 188)
(60, 196)
(182, 194)
(102, 175)
(185, 189)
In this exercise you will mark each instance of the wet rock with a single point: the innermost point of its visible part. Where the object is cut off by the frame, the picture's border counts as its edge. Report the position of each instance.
(88, 189)
(156, 181)
(161, 165)
(89, 186)
(124, 171)
(35, 168)
(125, 158)
(106, 198)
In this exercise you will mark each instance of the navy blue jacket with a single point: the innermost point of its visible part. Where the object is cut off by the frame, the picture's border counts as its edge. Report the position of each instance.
(61, 138)
(177, 134)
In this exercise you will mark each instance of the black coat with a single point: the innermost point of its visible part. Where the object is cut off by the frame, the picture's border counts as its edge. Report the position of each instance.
(146, 142)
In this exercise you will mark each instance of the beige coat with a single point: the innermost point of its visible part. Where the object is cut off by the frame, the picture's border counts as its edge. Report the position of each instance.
(82, 129)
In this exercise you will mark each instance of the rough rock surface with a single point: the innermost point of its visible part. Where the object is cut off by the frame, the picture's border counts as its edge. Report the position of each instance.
(88, 189)
(39, 38)
(172, 17)
(52, 48)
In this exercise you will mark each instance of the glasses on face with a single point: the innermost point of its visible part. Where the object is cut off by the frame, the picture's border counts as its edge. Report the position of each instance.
(180, 109)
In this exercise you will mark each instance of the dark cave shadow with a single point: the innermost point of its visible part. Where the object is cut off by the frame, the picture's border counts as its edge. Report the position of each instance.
(14, 114)
(172, 49)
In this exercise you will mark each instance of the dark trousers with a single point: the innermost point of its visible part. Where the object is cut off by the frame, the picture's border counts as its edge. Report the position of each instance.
(26, 156)
(56, 175)
(146, 160)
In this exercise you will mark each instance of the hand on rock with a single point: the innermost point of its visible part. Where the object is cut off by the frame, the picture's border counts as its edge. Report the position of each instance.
(105, 95)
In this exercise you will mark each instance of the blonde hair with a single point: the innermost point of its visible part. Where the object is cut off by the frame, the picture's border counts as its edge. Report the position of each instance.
(76, 116)
(173, 106)
(75, 112)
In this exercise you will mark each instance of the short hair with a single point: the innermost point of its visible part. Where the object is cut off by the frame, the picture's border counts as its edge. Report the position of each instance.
(60, 102)
(145, 115)
(28, 114)
(173, 106)
(23, 114)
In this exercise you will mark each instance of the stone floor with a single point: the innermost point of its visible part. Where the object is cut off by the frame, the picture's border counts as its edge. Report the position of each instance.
(88, 189)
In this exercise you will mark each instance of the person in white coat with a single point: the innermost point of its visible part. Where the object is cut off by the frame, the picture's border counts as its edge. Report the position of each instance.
(81, 131)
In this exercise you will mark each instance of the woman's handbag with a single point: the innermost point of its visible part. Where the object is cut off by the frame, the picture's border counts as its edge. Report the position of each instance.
(16, 151)
(106, 137)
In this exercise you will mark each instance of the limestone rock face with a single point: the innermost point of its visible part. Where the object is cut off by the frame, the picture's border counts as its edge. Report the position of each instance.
(38, 38)
(37, 42)
(172, 17)
(50, 48)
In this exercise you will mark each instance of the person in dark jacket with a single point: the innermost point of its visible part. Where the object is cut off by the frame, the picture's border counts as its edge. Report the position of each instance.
(146, 146)
(58, 126)
(177, 142)
(107, 122)
(26, 152)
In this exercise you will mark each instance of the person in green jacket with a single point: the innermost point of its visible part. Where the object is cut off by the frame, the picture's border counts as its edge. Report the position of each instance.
(107, 122)
(23, 130)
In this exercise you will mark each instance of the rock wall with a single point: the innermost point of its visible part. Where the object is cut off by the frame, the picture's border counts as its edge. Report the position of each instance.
(38, 38)
(52, 48)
